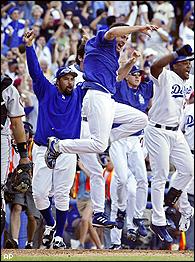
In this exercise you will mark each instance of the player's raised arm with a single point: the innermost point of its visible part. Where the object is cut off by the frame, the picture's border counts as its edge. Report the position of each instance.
(125, 68)
(32, 60)
(126, 30)
(158, 65)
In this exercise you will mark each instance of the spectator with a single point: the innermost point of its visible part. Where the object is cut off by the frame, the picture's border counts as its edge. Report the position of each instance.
(14, 31)
(177, 43)
(186, 31)
(158, 39)
(165, 8)
(68, 18)
(52, 19)
(36, 12)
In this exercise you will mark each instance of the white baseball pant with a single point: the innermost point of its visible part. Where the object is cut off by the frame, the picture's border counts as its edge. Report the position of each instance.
(129, 185)
(127, 154)
(59, 180)
(101, 111)
(97, 182)
(183, 204)
(164, 146)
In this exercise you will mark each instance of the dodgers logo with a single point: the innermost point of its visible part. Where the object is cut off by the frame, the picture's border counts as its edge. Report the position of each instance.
(177, 91)
(190, 121)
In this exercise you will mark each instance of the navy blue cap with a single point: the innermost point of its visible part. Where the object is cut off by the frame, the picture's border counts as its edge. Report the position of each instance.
(65, 70)
(11, 10)
(181, 59)
(135, 69)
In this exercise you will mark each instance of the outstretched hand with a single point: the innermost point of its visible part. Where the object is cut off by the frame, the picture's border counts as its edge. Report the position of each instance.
(135, 55)
(29, 37)
(147, 28)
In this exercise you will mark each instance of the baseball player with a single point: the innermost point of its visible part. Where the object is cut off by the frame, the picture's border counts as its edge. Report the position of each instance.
(22, 201)
(124, 154)
(187, 127)
(90, 160)
(59, 115)
(164, 140)
(12, 112)
(100, 74)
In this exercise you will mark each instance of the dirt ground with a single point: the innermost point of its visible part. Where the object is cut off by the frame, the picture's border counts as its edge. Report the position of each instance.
(74, 252)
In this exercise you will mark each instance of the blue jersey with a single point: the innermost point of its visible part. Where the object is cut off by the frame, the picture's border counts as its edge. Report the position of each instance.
(101, 63)
(138, 98)
(59, 115)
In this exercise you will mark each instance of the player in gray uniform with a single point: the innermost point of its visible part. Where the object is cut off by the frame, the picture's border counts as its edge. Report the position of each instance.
(164, 140)
(12, 112)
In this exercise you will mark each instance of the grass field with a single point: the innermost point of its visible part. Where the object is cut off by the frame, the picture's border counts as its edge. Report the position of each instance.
(95, 255)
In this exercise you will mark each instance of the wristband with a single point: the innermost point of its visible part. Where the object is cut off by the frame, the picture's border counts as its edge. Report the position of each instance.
(22, 149)
(175, 54)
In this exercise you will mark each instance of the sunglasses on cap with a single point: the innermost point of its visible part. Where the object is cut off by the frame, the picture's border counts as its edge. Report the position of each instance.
(136, 74)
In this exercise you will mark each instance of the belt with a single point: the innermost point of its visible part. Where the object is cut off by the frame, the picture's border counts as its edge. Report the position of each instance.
(175, 128)
(192, 151)
(84, 118)
(38, 144)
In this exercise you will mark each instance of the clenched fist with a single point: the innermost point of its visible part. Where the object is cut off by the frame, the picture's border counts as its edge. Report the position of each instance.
(29, 37)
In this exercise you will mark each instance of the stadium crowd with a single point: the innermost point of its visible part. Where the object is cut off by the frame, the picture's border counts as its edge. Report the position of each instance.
(59, 27)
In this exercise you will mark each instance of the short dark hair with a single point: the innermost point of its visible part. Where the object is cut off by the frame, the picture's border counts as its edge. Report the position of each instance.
(110, 20)
(118, 24)
(80, 51)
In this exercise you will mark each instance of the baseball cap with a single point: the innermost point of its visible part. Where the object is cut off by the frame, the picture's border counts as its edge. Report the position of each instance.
(135, 69)
(181, 59)
(65, 70)
(11, 10)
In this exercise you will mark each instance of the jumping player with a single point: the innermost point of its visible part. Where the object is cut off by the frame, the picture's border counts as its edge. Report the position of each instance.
(100, 72)
(164, 140)
(124, 154)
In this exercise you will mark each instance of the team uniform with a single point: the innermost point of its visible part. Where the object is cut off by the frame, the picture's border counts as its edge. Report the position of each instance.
(10, 107)
(14, 108)
(59, 116)
(132, 183)
(165, 141)
(90, 160)
(100, 66)
(186, 210)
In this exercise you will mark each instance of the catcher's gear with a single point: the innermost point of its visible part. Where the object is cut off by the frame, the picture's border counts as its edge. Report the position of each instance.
(20, 180)
(185, 50)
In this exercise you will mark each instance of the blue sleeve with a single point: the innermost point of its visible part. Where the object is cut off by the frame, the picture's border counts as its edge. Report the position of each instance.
(100, 40)
(40, 82)
(28, 109)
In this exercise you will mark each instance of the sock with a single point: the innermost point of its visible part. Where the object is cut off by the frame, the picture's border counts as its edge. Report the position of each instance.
(47, 215)
(51, 201)
(60, 222)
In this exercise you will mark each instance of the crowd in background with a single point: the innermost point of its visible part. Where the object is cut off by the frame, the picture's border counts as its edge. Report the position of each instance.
(59, 26)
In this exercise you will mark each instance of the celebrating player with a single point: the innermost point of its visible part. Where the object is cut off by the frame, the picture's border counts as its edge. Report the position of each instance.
(100, 73)
(59, 115)
(164, 140)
